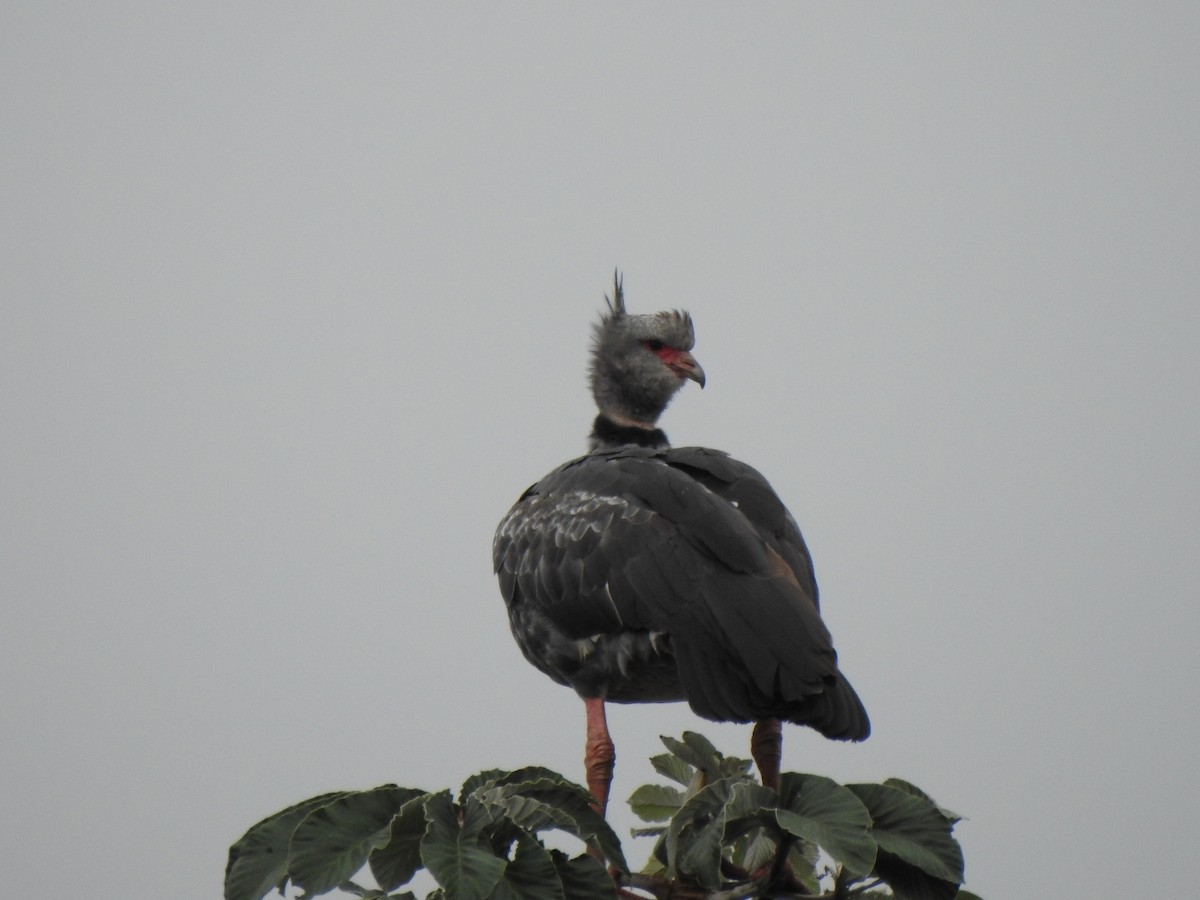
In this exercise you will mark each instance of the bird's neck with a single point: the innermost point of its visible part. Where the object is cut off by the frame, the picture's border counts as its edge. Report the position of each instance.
(610, 432)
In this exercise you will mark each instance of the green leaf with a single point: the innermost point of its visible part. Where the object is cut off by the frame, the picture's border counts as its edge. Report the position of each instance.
(672, 767)
(910, 788)
(910, 883)
(656, 864)
(334, 841)
(966, 895)
(489, 778)
(726, 766)
(696, 835)
(697, 751)
(485, 778)
(531, 814)
(655, 802)
(755, 849)
(584, 877)
(507, 833)
(535, 773)
(457, 856)
(803, 858)
(750, 804)
(698, 855)
(913, 830)
(552, 802)
(531, 875)
(693, 839)
(258, 861)
(820, 810)
(397, 861)
(702, 746)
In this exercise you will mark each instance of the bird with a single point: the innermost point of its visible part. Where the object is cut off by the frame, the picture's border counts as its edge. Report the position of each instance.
(645, 573)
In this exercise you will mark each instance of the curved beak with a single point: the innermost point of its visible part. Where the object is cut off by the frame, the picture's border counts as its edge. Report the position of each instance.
(685, 366)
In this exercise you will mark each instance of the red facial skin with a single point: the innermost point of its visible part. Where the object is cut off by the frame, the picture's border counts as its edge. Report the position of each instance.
(681, 362)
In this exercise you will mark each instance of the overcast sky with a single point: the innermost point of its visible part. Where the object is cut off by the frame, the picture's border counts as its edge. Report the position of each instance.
(297, 300)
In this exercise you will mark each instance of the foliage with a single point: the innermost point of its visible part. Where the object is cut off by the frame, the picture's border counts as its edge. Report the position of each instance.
(719, 834)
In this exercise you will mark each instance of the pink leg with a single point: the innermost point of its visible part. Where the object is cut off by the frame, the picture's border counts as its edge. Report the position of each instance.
(766, 746)
(600, 756)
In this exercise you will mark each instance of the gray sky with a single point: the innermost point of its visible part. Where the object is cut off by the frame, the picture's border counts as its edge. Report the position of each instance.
(296, 301)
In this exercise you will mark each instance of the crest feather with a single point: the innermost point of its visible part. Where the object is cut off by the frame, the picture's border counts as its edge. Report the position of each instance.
(616, 306)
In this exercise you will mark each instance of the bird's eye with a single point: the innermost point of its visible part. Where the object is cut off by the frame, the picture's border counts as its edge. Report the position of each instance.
(654, 345)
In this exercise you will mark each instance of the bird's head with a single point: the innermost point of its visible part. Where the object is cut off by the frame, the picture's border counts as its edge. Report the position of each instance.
(639, 362)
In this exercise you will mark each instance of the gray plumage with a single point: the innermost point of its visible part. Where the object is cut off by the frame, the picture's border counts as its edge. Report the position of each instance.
(645, 573)
(629, 383)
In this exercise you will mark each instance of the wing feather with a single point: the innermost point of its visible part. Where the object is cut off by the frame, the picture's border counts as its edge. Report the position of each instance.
(613, 548)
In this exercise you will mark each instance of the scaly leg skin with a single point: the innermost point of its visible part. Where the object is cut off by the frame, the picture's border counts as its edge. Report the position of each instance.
(600, 756)
(766, 746)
